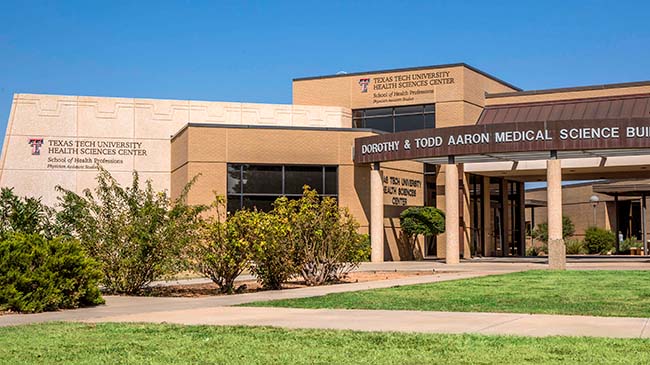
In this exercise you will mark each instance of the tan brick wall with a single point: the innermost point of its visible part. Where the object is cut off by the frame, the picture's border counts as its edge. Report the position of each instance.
(210, 149)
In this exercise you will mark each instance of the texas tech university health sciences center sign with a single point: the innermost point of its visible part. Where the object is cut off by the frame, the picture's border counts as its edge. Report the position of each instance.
(503, 138)
(79, 153)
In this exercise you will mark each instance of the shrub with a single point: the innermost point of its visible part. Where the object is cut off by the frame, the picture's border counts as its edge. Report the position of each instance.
(274, 258)
(26, 215)
(324, 236)
(136, 234)
(415, 221)
(599, 240)
(225, 246)
(38, 274)
(541, 232)
(575, 247)
(537, 250)
(625, 245)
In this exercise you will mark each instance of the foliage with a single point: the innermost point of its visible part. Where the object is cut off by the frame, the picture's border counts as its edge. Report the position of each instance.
(225, 246)
(324, 236)
(275, 259)
(415, 221)
(599, 240)
(540, 233)
(136, 234)
(575, 247)
(625, 245)
(536, 250)
(38, 274)
(26, 215)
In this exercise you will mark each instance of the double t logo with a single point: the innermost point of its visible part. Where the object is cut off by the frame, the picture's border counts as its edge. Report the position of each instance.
(36, 144)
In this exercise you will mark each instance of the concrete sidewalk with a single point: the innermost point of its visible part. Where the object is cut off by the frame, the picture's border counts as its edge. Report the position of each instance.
(535, 325)
(216, 311)
(144, 306)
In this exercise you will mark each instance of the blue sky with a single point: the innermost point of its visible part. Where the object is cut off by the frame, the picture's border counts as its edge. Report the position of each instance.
(250, 51)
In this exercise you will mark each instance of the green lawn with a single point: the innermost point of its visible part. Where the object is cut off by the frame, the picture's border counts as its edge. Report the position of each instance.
(598, 293)
(168, 344)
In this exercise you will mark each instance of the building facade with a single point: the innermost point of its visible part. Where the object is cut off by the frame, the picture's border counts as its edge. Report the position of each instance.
(346, 136)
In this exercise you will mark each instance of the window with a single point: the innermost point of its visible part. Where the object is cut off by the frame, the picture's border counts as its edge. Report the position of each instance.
(397, 119)
(257, 186)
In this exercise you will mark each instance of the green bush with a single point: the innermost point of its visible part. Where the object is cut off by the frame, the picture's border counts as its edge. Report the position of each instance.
(541, 232)
(25, 215)
(37, 274)
(225, 246)
(624, 247)
(324, 236)
(415, 221)
(575, 247)
(136, 234)
(275, 259)
(599, 240)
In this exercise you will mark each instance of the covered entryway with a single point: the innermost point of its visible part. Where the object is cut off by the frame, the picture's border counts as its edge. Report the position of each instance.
(530, 151)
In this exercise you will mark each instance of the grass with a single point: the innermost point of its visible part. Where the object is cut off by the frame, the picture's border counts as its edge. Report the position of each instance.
(598, 293)
(111, 343)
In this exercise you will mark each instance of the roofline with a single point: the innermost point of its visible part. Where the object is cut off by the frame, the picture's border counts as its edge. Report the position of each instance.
(281, 127)
(461, 64)
(569, 89)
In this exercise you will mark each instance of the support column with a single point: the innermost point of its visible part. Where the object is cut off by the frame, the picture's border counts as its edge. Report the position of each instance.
(376, 214)
(616, 228)
(643, 224)
(556, 248)
(452, 219)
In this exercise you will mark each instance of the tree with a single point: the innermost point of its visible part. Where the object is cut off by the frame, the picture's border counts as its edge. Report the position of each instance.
(324, 236)
(541, 232)
(136, 234)
(426, 221)
(225, 246)
(25, 215)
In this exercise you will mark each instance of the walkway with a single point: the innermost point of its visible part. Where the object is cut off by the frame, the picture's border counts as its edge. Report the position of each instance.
(217, 311)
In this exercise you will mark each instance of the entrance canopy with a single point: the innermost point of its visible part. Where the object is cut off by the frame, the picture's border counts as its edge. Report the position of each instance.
(624, 188)
(516, 141)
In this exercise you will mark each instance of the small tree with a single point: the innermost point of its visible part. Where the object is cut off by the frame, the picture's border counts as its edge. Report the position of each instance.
(25, 215)
(325, 237)
(541, 232)
(225, 246)
(136, 234)
(415, 221)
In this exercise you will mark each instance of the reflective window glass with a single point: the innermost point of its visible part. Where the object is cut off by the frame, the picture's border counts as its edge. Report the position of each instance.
(411, 109)
(262, 179)
(409, 122)
(381, 124)
(234, 179)
(331, 180)
(262, 203)
(379, 112)
(297, 176)
(429, 121)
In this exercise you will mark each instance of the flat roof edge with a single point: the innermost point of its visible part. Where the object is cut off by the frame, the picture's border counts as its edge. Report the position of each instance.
(280, 127)
(460, 64)
(569, 89)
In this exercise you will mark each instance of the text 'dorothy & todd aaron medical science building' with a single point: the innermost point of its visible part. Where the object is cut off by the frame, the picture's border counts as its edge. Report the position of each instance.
(449, 136)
